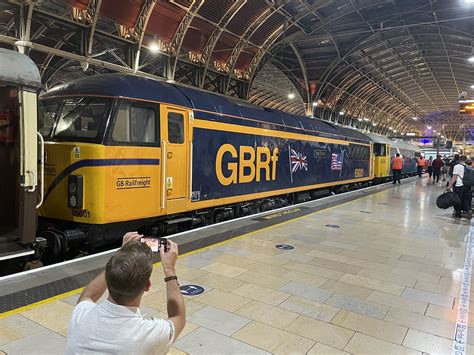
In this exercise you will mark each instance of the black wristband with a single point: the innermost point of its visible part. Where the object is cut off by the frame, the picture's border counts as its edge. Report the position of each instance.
(169, 278)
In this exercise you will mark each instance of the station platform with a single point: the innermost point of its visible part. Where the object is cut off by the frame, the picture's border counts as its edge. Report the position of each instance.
(378, 271)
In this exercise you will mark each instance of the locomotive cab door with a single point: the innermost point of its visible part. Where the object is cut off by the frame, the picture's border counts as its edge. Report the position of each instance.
(174, 133)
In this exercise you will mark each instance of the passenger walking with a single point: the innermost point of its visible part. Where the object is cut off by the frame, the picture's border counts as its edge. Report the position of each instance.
(438, 164)
(397, 166)
(429, 164)
(420, 164)
(115, 325)
(464, 192)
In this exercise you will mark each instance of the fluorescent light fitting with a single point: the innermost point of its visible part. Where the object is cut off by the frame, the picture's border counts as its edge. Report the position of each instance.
(341, 113)
(434, 131)
(291, 96)
(415, 118)
(315, 104)
(472, 86)
(394, 131)
(471, 59)
(411, 134)
(366, 119)
(438, 134)
(428, 127)
(359, 119)
(374, 124)
(390, 127)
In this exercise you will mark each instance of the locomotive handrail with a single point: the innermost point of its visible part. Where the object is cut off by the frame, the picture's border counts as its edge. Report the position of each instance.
(163, 182)
(41, 190)
(191, 170)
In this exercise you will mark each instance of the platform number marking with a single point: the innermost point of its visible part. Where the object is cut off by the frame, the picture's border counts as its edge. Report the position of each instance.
(191, 290)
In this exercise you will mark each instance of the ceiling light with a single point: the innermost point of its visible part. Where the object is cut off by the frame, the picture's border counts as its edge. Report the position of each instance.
(359, 119)
(415, 118)
(154, 47)
(472, 86)
(315, 104)
(411, 134)
(374, 124)
(442, 136)
(394, 131)
(428, 127)
(390, 128)
(366, 119)
(434, 131)
(341, 113)
(291, 96)
(471, 59)
(438, 134)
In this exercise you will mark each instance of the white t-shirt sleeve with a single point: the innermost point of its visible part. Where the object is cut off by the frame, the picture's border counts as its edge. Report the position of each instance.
(459, 171)
(160, 333)
(80, 311)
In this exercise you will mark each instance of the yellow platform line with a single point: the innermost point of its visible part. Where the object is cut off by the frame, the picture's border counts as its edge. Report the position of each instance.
(76, 291)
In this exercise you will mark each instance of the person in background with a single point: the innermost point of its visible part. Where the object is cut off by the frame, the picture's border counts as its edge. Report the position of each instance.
(452, 163)
(464, 192)
(437, 166)
(429, 164)
(397, 166)
(420, 164)
(115, 325)
(445, 168)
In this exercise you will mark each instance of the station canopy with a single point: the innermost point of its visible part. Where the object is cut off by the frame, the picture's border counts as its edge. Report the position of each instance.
(386, 66)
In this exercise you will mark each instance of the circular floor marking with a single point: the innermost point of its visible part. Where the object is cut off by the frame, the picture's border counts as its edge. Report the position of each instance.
(284, 246)
(191, 290)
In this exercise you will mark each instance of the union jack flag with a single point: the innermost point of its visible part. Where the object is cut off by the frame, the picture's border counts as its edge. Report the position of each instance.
(298, 161)
(336, 161)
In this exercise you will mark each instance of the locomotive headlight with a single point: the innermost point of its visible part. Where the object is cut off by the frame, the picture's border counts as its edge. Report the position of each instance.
(72, 201)
(75, 188)
(72, 188)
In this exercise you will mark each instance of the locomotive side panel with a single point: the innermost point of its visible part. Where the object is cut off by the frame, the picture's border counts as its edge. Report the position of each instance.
(230, 165)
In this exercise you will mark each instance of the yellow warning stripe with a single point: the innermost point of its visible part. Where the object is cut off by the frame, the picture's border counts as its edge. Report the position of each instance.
(76, 291)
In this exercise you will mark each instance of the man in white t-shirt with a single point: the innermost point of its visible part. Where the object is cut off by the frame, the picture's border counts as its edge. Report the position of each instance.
(115, 325)
(464, 192)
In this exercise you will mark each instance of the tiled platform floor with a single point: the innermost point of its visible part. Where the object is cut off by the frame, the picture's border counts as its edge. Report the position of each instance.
(385, 282)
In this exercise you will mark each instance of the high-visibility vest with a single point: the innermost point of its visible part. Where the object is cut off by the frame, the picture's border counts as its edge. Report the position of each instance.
(397, 163)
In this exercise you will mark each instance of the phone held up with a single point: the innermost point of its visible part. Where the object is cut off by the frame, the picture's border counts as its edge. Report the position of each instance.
(155, 243)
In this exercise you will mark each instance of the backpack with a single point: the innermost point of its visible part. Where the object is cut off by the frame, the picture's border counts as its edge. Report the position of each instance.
(468, 178)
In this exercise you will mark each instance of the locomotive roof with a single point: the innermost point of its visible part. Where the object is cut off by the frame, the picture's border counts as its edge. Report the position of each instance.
(17, 68)
(211, 106)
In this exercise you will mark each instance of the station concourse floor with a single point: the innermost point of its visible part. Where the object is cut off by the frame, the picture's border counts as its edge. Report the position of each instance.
(385, 281)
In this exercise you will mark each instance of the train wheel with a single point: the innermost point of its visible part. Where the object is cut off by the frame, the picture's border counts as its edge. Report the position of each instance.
(56, 246)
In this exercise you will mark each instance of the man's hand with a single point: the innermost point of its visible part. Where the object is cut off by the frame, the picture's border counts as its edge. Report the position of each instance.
(168, 258)
(131, 236)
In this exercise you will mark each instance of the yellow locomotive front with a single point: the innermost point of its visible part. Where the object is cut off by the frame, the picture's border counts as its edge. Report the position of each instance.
(102, 161)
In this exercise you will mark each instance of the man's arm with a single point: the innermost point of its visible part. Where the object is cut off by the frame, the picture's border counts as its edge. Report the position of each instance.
(452, 181)
(175, 301)
(96, 288)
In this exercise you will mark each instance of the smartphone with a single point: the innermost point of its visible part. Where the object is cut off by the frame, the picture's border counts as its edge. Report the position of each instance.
(155, 243)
